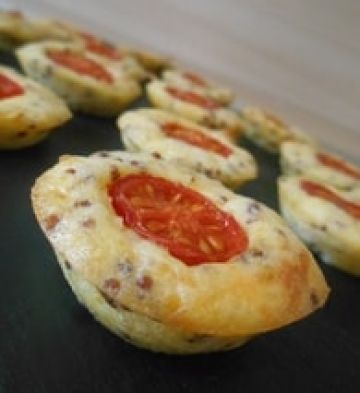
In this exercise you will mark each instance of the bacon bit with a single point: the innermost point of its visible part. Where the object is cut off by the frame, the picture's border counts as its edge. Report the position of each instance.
(339, 165)
(195, 79)
(90, 222)
(51, 221)
(72, 171)
(112, 286)
(144, 282)
(114, 173)
(320, 191)
(83, 203)
(193, 98)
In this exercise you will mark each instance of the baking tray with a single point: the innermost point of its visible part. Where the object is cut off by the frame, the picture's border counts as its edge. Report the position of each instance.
(49, 343)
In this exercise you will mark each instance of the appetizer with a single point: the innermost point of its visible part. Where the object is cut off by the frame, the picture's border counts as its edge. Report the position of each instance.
(267, 130)
(327, 219)
(189, 80)
(169, 259)
(184, 142)
(85, 84)
(193, 105)
(299, 158)
(28, 111)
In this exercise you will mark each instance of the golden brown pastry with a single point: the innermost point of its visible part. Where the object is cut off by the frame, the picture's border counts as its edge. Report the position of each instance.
(170, 259)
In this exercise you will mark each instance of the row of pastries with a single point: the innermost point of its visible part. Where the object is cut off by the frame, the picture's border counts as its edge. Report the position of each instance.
(153, 241)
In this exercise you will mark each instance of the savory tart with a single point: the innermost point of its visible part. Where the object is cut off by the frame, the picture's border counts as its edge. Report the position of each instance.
(189, 80)
(85, 84)
(28, 111)
(327, 219)
(193, 105)
(184, 142)
(169, 259)
(267, 130)
(299, 158)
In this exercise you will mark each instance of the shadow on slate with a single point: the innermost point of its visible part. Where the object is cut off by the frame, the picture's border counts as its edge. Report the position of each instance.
(49, 343)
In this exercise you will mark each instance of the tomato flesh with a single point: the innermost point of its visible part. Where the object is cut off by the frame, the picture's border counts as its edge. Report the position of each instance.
(177, 218)
(195, 138)
(320, 191)
(195, 79)
(100, 47)
(338, 165)
(193, 98)
(80, 64)
(9, 88)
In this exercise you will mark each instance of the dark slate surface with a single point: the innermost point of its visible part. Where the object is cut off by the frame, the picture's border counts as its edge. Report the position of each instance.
(49, 343)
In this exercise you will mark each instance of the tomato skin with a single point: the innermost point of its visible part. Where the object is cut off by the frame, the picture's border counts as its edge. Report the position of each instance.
(339, 165)
(100, 47)
(196, 138)
(195, 79)
(193, 98)
(177, 218)
(9, 88)
(320, 191)
(80, 64)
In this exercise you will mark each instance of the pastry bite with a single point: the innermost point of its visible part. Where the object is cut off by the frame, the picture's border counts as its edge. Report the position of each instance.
(28, 111)
(184, 142)
(169, 259)
(327, 219)
(193, 105)
(299, 159)
(267, 130)
(85, 84)
(190, 80)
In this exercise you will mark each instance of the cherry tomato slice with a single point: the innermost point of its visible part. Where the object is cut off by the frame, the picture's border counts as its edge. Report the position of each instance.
(177, 218)
(9, 88)
(80, 64)
(100, 47)
(322, 192)
(196, 138)
(195, 79)
(193, 98)
(339, 165)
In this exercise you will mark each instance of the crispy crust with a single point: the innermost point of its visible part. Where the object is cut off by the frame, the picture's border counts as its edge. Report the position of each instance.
(28, 118)
(81, 92)
(326, 228)
(267, 130)
(141, 131)
(221, 94)
(218, 118)
(299, 158)
(270, 285)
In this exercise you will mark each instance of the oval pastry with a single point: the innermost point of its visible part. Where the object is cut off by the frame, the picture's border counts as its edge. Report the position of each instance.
(267, 130)
(122, 230)
(184, 142)
(189, 80)
(328, 220)
(85, 84)
(299, 158)
(193, 105)
(28, 111)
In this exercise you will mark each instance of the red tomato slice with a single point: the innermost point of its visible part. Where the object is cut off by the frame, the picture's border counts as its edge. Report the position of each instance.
(80, 64)
(196, 138)
(322, 192)
(100, 47)
(193, 98)
(9, 88)
(183, 221)
(338, 165)
(195, 79)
